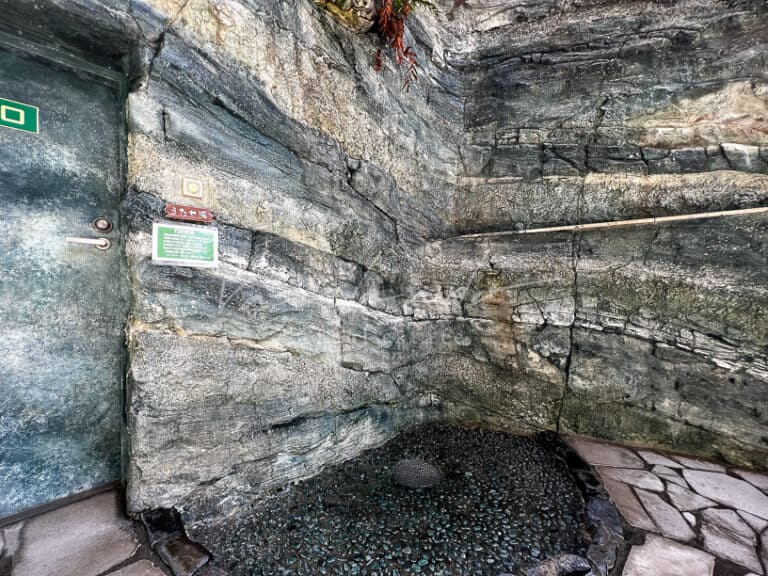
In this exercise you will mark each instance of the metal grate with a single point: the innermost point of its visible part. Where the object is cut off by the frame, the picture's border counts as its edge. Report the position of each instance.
(415, 473)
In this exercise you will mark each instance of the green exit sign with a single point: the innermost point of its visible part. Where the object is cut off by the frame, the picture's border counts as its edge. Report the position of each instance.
(19, 116)
(183, 245)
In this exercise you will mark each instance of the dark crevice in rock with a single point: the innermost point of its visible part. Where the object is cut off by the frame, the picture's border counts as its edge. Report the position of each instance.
(599, 118)
(579, 168)
(350, 181)
(575, 252)
(304, 418)
(142, 78)
(159, 45)
(725, 155)
(165, 118)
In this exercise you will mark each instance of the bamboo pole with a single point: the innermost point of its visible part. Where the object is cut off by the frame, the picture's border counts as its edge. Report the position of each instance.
(621, 223)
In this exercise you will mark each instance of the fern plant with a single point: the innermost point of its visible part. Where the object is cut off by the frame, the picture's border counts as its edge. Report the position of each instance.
(390, 19)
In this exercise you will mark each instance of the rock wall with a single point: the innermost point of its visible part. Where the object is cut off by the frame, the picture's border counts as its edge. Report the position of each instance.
(580, 112)
(649, 335)
(348, 305)
(594, 111)
(640, 108)
(264, 370)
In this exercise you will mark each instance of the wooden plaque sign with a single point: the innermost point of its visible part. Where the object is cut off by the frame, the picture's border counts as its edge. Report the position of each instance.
(188, 213)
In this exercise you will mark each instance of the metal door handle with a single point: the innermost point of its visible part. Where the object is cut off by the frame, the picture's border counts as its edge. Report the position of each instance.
(100, 243)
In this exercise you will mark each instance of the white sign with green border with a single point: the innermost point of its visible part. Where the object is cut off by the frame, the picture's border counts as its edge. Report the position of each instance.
(183, 245)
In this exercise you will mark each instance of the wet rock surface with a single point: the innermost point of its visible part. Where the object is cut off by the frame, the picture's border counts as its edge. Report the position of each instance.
(506, 504)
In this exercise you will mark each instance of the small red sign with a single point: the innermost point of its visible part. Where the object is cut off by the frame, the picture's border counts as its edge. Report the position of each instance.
(188, 213)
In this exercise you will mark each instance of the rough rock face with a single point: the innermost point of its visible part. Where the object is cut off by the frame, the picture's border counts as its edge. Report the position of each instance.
(604, 111)
(348, 305)
(654, 336)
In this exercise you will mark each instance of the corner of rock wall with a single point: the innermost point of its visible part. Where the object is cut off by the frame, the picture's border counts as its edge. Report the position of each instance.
(287, 357)
(664, 339)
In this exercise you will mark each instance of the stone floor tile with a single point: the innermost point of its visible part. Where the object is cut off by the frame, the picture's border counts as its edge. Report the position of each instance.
(670, 522)
(764, 551)
(82, 539)
(728, 520)
(662, 557)
(656, 459)
(691, 518)
(757, 524)
(757, 479)
(628, 504)
(140, 568)
(729, 545)
(686, 501)
(599, 454)
(695, 464)
(637, 478)
(728, 490)
(670, 475)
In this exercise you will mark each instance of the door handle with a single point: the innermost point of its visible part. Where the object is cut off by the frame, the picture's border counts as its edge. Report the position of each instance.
(100, 243)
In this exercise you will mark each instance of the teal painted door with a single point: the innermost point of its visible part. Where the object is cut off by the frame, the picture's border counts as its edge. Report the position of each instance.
(62, 305)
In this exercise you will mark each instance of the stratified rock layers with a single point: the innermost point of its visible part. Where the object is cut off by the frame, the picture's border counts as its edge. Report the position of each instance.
(650, 335)
(348, 305)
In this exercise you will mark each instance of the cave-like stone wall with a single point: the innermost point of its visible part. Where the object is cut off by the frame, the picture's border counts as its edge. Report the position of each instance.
(320, 172)
(348, 305)
(640, 108)
(580, 112)
(323, 175)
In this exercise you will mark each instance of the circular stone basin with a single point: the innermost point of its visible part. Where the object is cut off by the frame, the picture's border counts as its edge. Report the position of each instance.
(504, 503)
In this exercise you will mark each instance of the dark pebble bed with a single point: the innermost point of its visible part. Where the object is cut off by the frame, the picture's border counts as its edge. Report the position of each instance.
(505, 503)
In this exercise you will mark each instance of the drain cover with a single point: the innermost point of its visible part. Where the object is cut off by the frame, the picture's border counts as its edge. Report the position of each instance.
(415, 473)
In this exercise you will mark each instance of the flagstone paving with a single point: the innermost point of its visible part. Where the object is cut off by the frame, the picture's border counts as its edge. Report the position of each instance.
(667, 518)
(690, 517)
(700, 518)
(633, 511)
(662, 557)
(91, 537)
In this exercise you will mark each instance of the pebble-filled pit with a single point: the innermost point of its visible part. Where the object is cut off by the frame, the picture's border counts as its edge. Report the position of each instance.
(504, 503)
